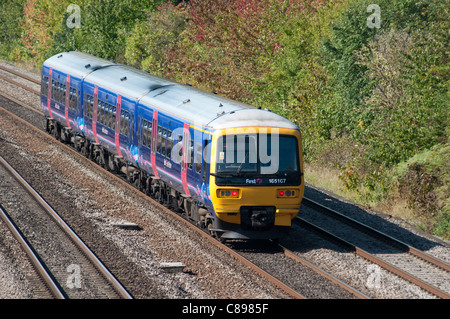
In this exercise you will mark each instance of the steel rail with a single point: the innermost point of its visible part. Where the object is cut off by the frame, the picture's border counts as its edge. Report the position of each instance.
(324, 274)
(4, 78)
(401, 245)
(36, 262)
(63, 225)
(20, 75)
(361, 252)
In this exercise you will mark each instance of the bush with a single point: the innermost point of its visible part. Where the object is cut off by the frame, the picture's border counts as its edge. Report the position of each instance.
(424, 182)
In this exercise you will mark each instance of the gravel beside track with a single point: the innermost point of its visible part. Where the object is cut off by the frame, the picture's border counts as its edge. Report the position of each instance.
(18, 279)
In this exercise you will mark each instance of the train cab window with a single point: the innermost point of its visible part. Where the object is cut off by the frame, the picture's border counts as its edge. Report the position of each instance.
(198, 158)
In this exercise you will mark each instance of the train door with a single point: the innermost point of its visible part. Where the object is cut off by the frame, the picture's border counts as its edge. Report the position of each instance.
(94, 114)
(153, 145)
(117, 125)
(185, 158)
(67, 101)
(49, 92)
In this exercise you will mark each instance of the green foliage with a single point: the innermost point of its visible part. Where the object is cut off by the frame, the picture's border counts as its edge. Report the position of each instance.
(105, 25)
(149, 50)
(10, 14)
(424, 182)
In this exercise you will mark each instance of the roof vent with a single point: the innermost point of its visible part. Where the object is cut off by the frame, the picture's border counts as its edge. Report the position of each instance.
(123, 79)
(87, 66)
(220, 105)
(186, 101)
(59, 56)
(221, 113)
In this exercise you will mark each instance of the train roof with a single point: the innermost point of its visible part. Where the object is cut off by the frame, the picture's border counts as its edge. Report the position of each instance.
(199, 107)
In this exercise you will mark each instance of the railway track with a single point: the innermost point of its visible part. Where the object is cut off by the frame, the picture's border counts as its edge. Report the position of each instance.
(48, 288)
(407, 262)
(37, 225)
(285, 252)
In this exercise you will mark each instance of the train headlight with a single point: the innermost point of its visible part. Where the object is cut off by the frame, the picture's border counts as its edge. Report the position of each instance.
(228, 193)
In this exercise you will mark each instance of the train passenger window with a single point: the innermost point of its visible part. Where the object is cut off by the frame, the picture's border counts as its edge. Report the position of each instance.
(60, 92)
(127, 123)
(63, 93)
(107, 115)
(114, 118)
(72, 97)
(205, 159)
(143, 132)
(191, 154)
(122, 122)
(198, 158)
(142, 128)
(100, 111)
(149, 134)
(53, 89)
(75, 98)
(158, 146)
(110, 116)
(88, 106)
(169, 144)
(56, 96)
(163, 141)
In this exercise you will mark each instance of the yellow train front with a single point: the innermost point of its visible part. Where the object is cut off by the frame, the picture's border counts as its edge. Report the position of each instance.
(256, 180)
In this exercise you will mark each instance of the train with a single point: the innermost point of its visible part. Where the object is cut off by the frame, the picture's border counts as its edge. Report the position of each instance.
(232, 168)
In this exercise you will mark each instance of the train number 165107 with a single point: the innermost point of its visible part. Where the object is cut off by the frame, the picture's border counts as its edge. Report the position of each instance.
(277, 180)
